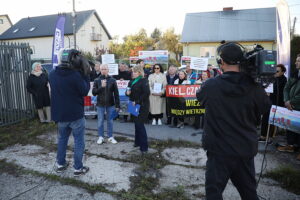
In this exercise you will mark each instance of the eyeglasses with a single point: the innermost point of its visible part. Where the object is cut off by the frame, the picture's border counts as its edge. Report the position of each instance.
(156, 68)
(278, 71)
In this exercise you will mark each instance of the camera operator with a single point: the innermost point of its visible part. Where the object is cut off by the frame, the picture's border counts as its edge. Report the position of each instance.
(69, 84)
(234, 104)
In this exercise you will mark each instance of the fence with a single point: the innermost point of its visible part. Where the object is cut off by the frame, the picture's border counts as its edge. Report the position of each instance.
(15, 102)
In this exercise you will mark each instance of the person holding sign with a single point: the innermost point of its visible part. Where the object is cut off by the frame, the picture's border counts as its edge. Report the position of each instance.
(106, 90)
(182, 80)
(138, 91)
(157, 83)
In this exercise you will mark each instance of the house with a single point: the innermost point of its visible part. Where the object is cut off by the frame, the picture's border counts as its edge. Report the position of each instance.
(91, 34)
(203, 32)
(5, 23)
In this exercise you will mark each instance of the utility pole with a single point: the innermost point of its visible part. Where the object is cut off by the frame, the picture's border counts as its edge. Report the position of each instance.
(74, 23)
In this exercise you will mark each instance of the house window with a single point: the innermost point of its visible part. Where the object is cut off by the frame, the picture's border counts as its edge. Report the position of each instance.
(207, 52)
(16, 30)
(1, 21)
(32, 29)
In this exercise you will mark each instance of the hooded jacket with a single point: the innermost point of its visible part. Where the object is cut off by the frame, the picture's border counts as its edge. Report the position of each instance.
(68, 87)
(233, 108)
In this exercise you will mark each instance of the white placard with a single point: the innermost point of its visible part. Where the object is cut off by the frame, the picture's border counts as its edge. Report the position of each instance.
(199, 63)
(157, 88)
(269, 89)
(113, 69)
(108, 58)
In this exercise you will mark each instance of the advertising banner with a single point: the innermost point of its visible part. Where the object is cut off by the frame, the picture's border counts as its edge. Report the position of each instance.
(285, 118)
(182, 100)
(283, 34)
(58, 39)
(152, 57)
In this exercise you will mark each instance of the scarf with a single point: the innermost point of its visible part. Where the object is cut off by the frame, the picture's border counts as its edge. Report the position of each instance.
(36, 73)
(136, 80)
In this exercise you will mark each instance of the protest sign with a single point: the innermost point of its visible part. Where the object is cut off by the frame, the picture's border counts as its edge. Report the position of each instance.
(199, 63)
(182, 100)
(285, 118)
(113, 69)
(108, 58)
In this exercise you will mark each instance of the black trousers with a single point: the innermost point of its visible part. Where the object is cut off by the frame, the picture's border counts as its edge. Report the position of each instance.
(293, 138)
(241, 171)
(141, 139)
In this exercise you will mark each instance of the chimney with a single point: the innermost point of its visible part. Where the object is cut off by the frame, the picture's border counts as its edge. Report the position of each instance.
(227, 8)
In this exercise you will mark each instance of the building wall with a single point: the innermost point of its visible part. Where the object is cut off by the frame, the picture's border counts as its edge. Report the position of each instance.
(6, 24)
(83, 37)
(42, 47)
(193, 49)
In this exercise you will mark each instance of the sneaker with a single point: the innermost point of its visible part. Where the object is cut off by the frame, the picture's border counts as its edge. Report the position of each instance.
(83, 170)
(112, 140)
(100, 140)
(154, 122)
(288, 148)
(180, 124)
(159, 122)
(61, 168)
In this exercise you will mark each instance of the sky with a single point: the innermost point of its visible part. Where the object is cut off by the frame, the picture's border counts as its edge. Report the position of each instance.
(124, 17)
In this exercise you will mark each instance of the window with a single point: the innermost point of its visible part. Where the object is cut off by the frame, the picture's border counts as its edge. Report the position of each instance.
(32, 29)
(1, 21)
(207, 52)
(16, 30)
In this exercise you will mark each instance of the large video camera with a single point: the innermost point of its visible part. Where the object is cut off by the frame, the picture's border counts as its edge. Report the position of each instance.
(258, 63)
(72, 58)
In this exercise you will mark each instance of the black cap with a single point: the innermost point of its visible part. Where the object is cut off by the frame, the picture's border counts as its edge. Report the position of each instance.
(231, 53)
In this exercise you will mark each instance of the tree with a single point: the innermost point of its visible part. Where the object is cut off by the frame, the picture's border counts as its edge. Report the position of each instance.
(156, 35)
(172, 43)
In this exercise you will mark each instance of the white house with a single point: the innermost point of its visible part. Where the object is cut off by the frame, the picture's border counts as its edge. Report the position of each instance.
(5, 23)
(91, 34)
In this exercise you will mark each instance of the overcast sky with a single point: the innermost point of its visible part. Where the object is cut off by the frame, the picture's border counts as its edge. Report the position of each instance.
(123, 17)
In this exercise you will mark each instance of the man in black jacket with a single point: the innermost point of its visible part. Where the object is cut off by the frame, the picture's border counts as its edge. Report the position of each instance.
(106, 89)
(234, 105)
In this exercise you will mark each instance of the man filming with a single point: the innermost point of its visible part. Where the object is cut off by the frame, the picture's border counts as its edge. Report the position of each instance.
(69, 84)
(234, 104)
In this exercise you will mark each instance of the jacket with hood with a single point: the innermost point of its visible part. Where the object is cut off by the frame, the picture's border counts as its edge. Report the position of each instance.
(233, 108)
(109, 95)
(68, 87)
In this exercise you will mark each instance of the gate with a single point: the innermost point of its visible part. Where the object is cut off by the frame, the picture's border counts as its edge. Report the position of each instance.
(15, 102)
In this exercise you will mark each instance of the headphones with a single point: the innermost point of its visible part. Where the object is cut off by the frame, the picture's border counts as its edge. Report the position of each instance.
(223, 55)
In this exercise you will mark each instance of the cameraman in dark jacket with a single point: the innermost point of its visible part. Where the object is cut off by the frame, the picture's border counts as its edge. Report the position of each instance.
(106, 89)
(233, 108)
(69, 84)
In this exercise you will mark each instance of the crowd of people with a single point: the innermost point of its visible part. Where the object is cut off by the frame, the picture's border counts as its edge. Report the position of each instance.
(147, 88)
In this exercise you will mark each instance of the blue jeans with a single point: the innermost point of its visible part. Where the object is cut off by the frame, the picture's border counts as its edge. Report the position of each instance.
(76, 127)
(101, 111)
(141, 139)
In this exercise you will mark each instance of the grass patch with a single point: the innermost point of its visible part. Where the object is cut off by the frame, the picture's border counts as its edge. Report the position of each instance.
(288, 177)
(160, 145)
(24, 132)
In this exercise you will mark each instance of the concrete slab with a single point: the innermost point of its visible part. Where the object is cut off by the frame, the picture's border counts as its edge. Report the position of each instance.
(186, 156)
(11, 186)
(114, 175)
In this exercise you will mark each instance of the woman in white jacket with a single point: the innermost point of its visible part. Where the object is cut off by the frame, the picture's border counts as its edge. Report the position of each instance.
(157, 83)
(182, 80)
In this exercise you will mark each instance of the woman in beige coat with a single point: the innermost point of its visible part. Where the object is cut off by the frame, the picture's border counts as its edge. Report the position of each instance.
(157, 83)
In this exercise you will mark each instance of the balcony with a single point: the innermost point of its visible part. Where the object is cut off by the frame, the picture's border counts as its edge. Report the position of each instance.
(96, 37)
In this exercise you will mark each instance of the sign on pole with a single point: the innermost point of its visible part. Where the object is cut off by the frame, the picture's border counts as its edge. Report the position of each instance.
(199, 63)
(108, 58)
(113, 69)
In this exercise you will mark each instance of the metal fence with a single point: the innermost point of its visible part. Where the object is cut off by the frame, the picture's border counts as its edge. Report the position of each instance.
(15, 102)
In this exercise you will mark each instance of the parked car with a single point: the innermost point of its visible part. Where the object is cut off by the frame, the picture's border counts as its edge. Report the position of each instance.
(47, 67)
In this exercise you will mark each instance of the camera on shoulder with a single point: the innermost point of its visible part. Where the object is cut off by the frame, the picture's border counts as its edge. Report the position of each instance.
(72, 58)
